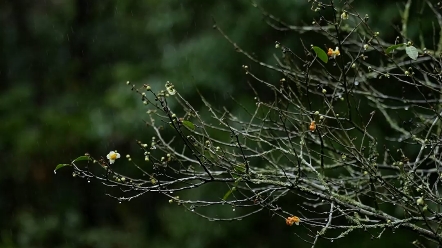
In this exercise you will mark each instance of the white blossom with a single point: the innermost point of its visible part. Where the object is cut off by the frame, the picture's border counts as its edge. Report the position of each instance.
(112, 156)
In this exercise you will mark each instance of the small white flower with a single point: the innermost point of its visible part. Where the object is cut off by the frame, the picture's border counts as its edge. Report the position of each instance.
(170, 88)
(112, 156)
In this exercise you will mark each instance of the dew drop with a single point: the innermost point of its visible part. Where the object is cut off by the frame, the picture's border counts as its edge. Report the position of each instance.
(55, 172)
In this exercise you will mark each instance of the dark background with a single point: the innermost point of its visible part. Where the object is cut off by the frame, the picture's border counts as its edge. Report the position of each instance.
(63, 69)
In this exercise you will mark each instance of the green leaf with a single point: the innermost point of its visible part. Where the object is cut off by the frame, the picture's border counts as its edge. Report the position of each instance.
(321, 54)
(411, 52)
(189, 124)
(393, 47)
(227, 194)
(82, 158)
(236, 176)
(61, 166)
(240, 168)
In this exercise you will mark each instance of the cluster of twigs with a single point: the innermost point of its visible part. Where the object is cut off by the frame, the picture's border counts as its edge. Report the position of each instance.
(313, 135)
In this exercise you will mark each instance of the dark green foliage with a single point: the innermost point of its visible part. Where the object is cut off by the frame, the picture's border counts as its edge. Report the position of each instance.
(63, 69)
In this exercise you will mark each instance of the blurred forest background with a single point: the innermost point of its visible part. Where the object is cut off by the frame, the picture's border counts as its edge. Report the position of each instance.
(63, 69)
